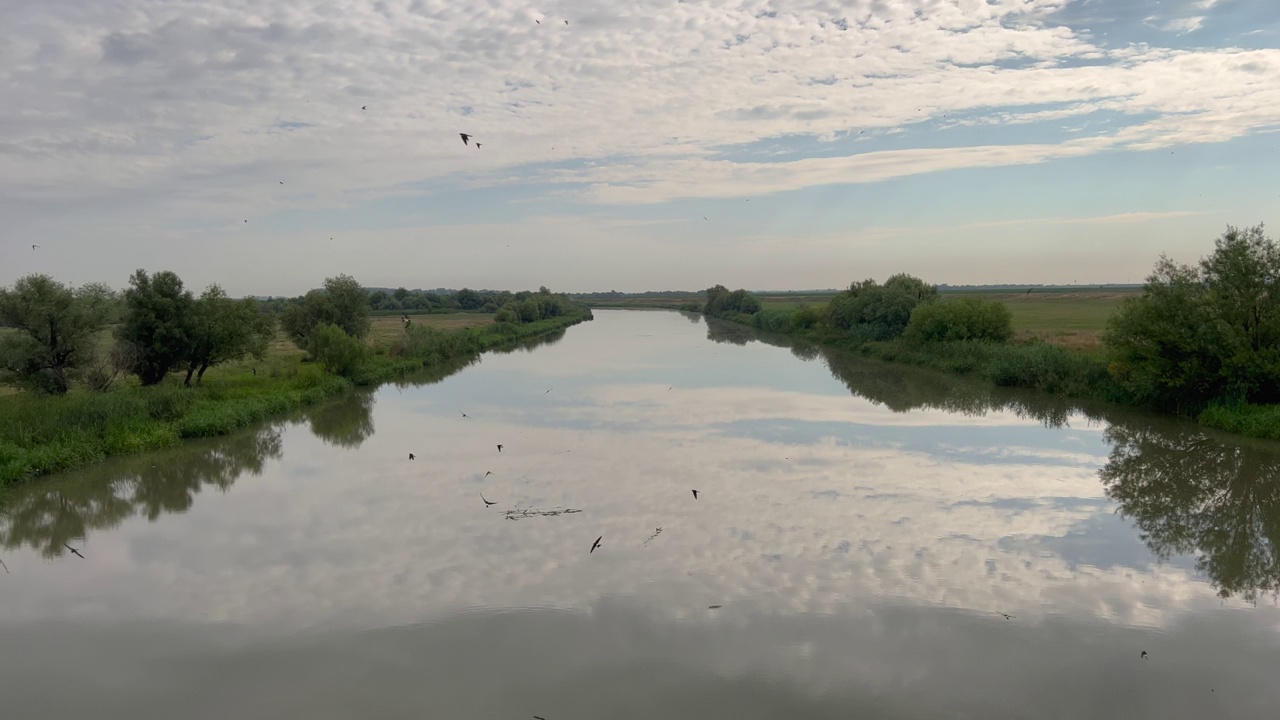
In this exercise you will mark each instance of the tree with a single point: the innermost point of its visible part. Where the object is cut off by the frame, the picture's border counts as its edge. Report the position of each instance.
(56, 330)
(342, 302)
(224, 329)
(1203, 333)
(870, 311)
(331, 346)
(157, 323)
(468, 299)
(964, 319)
(400, 294)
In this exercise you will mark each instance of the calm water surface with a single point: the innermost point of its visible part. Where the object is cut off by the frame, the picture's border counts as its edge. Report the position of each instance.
(864, 528)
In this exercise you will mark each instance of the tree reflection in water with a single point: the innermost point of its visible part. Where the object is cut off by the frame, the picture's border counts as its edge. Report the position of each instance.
(1194, 493)
(1212, 496)
(347, 422)
(46, 515)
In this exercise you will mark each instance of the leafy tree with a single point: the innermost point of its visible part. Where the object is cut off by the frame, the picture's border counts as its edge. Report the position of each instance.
(721, 301)
(157, 323)
(342, 302)
(870, 311)
(379, 300)
(224, 329)
(340, 353)
(56, 328)
(965, 319)
(1203, 333)
(400, 294)
(468, 299)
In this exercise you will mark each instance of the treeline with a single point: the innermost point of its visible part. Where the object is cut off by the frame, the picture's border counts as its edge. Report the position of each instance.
(1200, 340)
(404, 300)
(55, 331)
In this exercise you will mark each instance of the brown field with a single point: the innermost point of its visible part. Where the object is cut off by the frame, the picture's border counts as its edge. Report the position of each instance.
(386, 328)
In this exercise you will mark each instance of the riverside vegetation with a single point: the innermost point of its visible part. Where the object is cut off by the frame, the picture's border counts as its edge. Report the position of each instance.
(1200, 340)
(96, 372)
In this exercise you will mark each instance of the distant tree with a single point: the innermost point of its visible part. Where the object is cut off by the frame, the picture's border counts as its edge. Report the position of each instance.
(224, 329)
(331, 346)
(870, 311)
(468, 299)
(380, 300)
(157, 323)
(968, 318)
(342, 302)
(400, 294)
(544, 290)
(722, 301)
(351, 303)
(56, 328)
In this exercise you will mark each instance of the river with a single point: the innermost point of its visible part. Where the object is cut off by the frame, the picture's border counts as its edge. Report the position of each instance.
(868, 541)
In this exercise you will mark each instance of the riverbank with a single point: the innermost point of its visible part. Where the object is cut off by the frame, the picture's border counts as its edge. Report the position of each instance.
(1031, 360)
(40, 435)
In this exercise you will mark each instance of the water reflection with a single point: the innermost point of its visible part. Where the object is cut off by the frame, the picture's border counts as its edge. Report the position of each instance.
(345, 423)
(44, 516)
(1191, 492)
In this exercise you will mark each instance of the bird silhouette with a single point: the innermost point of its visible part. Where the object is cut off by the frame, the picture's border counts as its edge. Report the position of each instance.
(487, 503)
(548, 390)
(411, 456)
(595, 545)
(1028, 291)
(246, 221)
(566, 22)
(1006, 616)
(33, 247)
(487, 473)
(6, 567)
(466, 139)
(1144, 654)
(499, 447)
(539, 22)
(714, 607)
(464, 414)
(538, 717)
(77, 554)
(281, 182)
(363, 107)
(695, 494)
(477, 145)
(704, 217)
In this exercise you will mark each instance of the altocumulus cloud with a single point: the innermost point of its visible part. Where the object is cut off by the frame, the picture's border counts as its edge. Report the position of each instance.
(173, 121)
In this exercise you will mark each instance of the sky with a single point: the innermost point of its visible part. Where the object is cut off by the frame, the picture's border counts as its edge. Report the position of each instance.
(637, 145)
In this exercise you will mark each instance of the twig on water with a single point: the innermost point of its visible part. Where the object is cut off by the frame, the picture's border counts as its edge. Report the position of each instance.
(531, 512)
(6, 567)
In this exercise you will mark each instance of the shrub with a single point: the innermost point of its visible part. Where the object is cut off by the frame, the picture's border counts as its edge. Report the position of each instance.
(340, 353)
(965, 319)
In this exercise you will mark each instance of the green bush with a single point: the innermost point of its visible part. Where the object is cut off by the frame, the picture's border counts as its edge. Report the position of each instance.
(965, 319)
(773, 320)
(340, 353)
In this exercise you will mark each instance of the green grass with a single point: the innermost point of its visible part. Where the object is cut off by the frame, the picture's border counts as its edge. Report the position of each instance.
(1260, 421)
(40, 435)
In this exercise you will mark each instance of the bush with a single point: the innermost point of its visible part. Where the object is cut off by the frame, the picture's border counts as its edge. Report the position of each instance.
(773, 320)
(965, 319)
(804, 318)
(340, 353)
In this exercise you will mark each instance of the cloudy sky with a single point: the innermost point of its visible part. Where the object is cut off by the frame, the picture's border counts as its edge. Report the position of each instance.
(966, 141)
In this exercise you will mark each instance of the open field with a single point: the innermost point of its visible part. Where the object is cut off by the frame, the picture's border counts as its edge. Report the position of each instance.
(386, 328)
(1073, 320)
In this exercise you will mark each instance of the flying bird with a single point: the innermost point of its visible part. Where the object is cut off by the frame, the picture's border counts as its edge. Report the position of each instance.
(6, 567)
(539, 22)
(487, 503)
(281, 182)
(548, 390)
(1028, 291)
(77, 554)
(566, 22)
(695, 494)
(487, 473)
(477, 144)
(1006, 616)
(33, 247)
(595, 545)
(464, 414)
(499, 447)
(704, 217)
(714, 607)
(410, 456)
(362, 107)
(1144, 654)
(466, 139)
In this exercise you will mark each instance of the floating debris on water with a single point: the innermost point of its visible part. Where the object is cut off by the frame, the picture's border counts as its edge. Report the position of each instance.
(532, 512)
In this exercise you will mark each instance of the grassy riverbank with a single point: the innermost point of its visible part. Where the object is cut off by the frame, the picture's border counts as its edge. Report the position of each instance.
(1055, 346)
(40, 434)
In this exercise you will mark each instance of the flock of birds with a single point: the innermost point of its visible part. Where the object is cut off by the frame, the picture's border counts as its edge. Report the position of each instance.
(599, 540)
